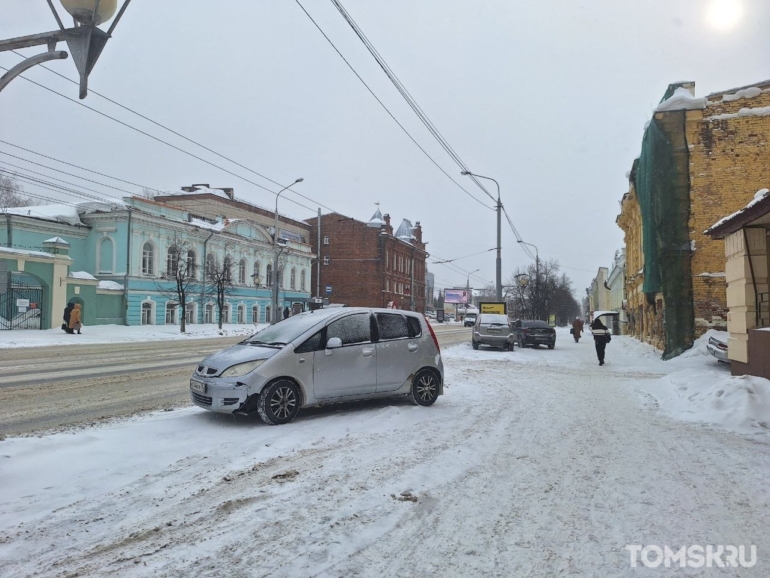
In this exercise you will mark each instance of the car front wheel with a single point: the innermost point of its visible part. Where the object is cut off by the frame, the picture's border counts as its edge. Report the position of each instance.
(279, 402)
(474, 345)
(424, 388)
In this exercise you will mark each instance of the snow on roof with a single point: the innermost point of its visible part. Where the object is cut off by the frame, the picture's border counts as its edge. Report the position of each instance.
(759, 111)
(376, 221)
(681, 100)
(207, 225)
(57, 213)
(25, 252)
(81, 275)
(110, 285)
(758, 196)
(751, 92)
(56, 240)
(405, 231)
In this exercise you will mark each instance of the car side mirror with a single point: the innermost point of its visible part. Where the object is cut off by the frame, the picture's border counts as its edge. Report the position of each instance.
(334, 343)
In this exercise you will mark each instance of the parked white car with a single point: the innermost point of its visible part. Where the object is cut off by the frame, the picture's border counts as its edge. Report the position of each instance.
(322, 356)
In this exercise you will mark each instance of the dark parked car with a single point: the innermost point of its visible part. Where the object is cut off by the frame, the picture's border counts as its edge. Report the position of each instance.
(527, 332)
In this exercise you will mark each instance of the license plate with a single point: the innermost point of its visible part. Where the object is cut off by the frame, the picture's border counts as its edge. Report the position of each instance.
(197, 386)
(494, 331)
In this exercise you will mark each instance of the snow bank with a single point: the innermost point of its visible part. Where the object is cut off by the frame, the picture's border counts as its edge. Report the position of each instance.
(110, 285)
(57, 213)
(751, 92)
(81, 275)
(759, 111)
(681, 100)
(120, 334)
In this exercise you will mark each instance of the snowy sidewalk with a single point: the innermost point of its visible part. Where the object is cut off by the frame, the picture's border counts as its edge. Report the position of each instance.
(534, 463)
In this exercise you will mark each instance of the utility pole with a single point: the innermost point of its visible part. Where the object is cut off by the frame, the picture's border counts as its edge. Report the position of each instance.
(275, 314)
(318, 259)
(499, 261)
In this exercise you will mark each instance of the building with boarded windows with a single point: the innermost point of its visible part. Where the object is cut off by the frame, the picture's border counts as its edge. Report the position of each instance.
(702, 158)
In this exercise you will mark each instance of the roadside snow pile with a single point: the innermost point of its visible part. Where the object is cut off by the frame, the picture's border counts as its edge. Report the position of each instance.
(702, 390)
(740, 404)
(97, 334)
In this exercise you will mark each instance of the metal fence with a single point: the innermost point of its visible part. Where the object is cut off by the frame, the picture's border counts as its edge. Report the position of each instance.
(21, 307)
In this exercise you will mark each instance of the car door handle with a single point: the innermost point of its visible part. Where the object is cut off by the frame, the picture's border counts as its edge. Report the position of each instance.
(302, 360)
(412, 347)
(368, 351)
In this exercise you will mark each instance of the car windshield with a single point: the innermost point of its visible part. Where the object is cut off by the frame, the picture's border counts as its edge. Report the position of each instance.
(496, 319)
(286, 331)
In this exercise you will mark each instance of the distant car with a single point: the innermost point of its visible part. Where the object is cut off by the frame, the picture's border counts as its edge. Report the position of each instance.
(450, 317)
(323, 356)
(532, 332)
(718, 348)
(492, 329)
(470, 320)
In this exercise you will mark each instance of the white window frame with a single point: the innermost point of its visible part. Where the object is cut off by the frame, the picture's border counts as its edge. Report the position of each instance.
(148, 258)
(326, 240)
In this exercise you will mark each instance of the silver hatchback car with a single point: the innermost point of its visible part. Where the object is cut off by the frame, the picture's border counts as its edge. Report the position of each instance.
(323, 356)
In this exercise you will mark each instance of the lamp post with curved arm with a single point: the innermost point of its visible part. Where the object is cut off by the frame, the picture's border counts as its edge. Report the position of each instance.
(499, 262)
(275, 313)
(85, 39)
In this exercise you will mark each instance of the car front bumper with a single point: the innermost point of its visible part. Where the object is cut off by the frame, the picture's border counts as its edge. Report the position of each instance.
(222, 397)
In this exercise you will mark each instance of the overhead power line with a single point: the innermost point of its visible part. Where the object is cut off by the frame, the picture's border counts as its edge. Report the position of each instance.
(464, 257)
(401, 126)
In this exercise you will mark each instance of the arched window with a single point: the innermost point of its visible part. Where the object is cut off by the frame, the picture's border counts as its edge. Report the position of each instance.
(171, 313)
(226, 313)
(255, 314)
(209, 316)
(172, 261)
(256, 275)
(280, 278)
(242, 272)
(148, 259)
(191, 264)
(228, 269)
(268, 312)
(189, 315)
(211, 265)
(106, 255)
(148, 313)
(269, 275)
(302, 280)
(293, 279)
(241, 314)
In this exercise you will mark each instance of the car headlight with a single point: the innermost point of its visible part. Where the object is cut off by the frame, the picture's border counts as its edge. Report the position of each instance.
(242, 368)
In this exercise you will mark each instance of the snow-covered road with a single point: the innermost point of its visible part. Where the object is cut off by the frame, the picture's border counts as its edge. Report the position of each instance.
(534, 463)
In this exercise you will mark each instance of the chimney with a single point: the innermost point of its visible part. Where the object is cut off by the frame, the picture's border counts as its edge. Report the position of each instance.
(386, 216)
(418, 232)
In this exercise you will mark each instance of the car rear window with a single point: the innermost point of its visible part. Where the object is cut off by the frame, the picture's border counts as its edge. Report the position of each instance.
(490, 318)
(392, 326)
(534, 324)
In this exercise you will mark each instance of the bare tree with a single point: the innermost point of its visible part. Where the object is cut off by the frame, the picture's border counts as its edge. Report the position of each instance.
(220, 282)
(181, 271)
(545, 293)
(12, 193)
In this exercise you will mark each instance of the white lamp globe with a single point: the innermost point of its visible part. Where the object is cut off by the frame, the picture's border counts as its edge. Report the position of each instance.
(83, 10)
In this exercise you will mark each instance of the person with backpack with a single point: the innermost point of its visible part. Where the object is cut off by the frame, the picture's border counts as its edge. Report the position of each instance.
(601, 338)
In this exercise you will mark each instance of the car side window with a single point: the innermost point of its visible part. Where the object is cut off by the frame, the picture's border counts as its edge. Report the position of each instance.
(310, 344)
(392, 326)
(352, 329)
(415, 329)
(517, 324)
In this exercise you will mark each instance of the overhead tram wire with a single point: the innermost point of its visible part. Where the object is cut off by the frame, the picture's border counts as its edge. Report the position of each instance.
(464, 256)
(188, 153)
(54, 186)
(26, 170)
(388, 111)
(406, 94)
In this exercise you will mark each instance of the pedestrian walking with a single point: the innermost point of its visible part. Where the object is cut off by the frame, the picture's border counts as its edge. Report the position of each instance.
(286, 313)
(75, 322)
(577, 329)
(67, 313)
(601, 338)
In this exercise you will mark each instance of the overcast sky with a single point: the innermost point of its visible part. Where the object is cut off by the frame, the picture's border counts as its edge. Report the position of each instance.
(550, 98)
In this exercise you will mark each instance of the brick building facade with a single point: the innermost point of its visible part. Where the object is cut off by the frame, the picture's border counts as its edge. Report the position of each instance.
(722, 141)
(367, 264)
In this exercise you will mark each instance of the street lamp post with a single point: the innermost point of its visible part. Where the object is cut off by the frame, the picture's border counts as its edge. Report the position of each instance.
(468, 287)
(85, 40)
(276, 314)
(499, 262)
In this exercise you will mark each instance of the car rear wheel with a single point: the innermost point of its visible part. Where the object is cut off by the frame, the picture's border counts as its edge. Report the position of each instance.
(552, 346)
(279, 402)
(424, 388)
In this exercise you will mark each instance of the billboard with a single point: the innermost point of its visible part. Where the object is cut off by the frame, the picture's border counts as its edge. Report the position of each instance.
(497, 307)
(457, 296)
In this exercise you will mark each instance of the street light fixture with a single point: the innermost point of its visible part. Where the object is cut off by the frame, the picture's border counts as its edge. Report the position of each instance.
(275, 316)
(499, 262)
(85, 40)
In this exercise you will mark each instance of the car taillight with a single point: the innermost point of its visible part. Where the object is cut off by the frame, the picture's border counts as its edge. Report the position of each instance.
(525, 331)
(433, 335)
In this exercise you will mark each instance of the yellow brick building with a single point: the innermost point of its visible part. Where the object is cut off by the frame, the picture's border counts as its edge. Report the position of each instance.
(712, 152)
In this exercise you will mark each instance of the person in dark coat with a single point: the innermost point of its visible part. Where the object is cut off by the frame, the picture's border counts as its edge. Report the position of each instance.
(601, 338)
(67, 314)
(577, 329)
(286, 313)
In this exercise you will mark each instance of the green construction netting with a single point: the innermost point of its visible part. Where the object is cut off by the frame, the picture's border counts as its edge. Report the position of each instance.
(662, 181)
